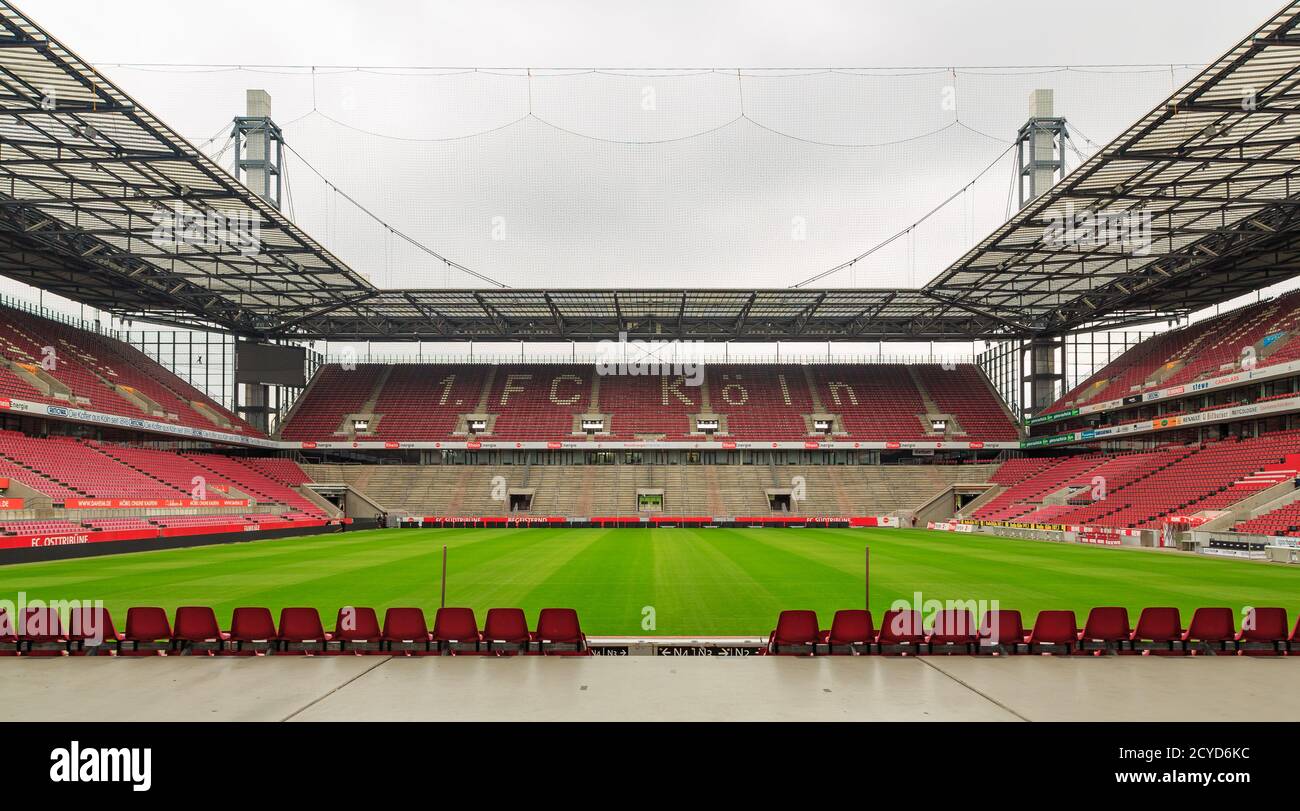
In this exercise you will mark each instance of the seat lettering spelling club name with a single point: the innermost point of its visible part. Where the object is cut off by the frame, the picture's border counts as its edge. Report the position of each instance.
(75, 764)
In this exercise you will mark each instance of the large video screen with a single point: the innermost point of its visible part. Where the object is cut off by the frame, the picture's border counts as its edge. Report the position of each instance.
(274, 365)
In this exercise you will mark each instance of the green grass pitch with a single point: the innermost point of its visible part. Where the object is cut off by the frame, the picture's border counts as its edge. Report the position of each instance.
(698, 581)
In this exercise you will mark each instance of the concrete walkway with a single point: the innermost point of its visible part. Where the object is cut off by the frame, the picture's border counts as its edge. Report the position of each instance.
(652, 688)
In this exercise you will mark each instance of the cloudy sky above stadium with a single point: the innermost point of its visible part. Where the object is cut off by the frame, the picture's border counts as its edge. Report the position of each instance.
(667, 172)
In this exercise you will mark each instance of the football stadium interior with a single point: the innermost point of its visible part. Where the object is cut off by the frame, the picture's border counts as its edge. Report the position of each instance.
(1080, 437)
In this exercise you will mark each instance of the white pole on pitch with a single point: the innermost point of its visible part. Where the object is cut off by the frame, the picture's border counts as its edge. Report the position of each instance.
(443, 602)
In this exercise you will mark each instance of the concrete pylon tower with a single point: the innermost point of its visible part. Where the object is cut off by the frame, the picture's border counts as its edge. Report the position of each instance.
(259, 147)
(1040, 147)
(258, 154)
(1040, 151)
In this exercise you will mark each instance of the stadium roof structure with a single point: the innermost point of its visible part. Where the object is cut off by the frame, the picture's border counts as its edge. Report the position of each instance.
(85, 173)
(1213, 170)
(697, 314)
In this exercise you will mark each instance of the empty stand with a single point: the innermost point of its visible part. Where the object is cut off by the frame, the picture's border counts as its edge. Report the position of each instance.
(963, 391)
(52, 362)
(1142, 490)
(541, 402)
(585, 490)
(1262, 334)
(71, 468)
(262, 486)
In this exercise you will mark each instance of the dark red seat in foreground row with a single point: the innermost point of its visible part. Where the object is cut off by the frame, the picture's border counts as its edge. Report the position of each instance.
(1159, 631)
(357, 630)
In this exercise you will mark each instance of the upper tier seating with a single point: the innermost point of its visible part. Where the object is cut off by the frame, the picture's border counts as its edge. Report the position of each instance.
(876, 402)
(761, 401)
(542, 402)
(952, 388)
(1138, 490)
(100, 374)
(539, 402)
(422, 402)
(315, 416)
(1264, 334)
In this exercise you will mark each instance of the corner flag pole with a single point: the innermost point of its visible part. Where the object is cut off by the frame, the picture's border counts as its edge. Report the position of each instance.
(866, 571)
(443, 602)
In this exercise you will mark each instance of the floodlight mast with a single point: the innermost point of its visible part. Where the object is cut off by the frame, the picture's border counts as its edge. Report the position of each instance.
(1040, 160)
(258, 145)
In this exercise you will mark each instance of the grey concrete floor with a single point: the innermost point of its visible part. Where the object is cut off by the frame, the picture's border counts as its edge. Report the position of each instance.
(651, 688)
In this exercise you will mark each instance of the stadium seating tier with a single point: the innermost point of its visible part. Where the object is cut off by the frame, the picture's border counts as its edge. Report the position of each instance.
(543, 402)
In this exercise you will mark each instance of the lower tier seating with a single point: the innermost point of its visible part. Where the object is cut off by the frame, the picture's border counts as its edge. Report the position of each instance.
(75, 473)
(1137, 490)
(715, 490)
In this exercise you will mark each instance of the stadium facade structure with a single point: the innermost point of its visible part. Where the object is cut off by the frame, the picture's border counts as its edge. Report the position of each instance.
(1209, 173)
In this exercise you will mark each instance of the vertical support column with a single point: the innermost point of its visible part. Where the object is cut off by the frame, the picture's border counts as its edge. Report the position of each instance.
(256, 406)
(1044, 372)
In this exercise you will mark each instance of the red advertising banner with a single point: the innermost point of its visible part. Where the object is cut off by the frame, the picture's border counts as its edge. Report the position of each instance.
(11, 503)
(91, 536)
(70, 538)
(143, 503)
(873, 521)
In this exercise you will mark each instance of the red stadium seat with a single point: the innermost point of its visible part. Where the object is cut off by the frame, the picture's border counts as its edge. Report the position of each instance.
(505, 631)
(954, 631)
(41, 633)
(796, 634)
(559, 634)
(301, 631)
(405, 631)
(1159, 631)
(1264, 632)
(761, 402)
(91, 631)
(196, 631)
(1211, 631)
(252, 632)
(455, 630)
(8, 635)
(147, 632)
(902, 632)
(1001, 632)
(356, 630)
(851, 632)
(1054, 632)
(1106, 631)
(1293, 644)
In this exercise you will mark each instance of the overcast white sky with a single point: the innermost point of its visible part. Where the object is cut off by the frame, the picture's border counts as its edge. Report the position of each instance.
(711, 210)
(651, 33)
